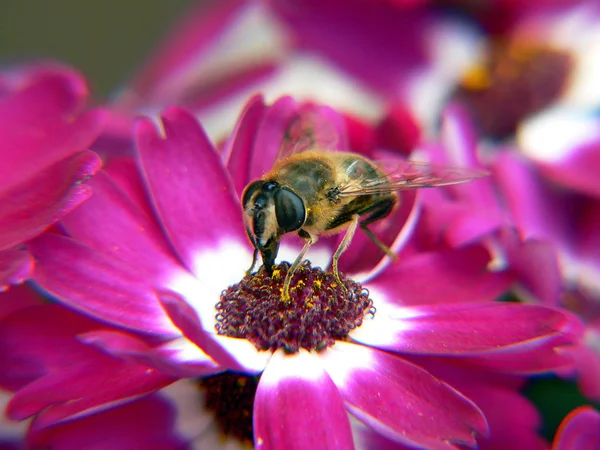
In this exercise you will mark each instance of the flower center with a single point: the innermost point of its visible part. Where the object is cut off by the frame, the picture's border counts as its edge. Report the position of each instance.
(319, 313)
(516, 79)
(231, 397)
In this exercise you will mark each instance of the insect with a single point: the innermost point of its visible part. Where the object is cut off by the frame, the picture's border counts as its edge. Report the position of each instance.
(320, 193)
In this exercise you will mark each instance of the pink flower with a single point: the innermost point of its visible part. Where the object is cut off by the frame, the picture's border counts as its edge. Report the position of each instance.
(155, 253)
(44, 135)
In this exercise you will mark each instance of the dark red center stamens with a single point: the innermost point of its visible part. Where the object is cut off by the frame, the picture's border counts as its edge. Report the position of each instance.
(516, 80)
(231, 397)
(319, 312)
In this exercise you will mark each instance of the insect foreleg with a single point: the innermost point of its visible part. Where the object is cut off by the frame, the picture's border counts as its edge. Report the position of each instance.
(310, 240)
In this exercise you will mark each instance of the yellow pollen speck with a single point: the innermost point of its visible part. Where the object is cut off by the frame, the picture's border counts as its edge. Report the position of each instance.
(276, 274)
(317, 284)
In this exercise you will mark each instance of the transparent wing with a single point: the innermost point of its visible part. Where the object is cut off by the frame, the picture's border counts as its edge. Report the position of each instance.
(311, 127)
(402, 175)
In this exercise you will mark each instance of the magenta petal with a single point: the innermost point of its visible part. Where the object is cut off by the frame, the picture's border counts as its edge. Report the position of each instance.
(98, 285)
(134, 349)
(83, 388)
(193, 193)
(402, 401)
(15, 266)
(579, 430)
(43, 122)
(239, 150)
(298, 406)
(113, 224)
(467, 329)
(148, 423)
(450, 276)
(535, 265)
(200, 28)
(29, 208)
(289, 126)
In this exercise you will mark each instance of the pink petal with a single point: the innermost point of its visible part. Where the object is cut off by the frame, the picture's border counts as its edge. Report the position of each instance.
(450, 276)
(198, 29)
(98, 284)
(18, 297)
(536, 210)
(168, 358)
(288, 126)
(113, 224)
(467, 329)
(402, 401)
(535, 264)
(240, 149)
(16, 265)
(577, 170)
(514, 422)
(45, 123)
(298, 406)
(83, 389)
(52, 371)
(193, 194)
(32, 206)
(38, 340)
(362, 38)
(587, 363)
(579, 430)
(145, 423)
(230, 353)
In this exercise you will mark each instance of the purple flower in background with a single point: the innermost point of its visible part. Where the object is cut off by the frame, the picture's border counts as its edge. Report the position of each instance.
(45, 132)
(157, 296)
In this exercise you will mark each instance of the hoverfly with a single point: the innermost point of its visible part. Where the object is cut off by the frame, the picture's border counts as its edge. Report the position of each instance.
(316, 192)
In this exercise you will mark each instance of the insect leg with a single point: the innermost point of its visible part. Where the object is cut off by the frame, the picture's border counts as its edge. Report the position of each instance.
(310, 240)
(382, 211)
(254, 257)
(343, 247)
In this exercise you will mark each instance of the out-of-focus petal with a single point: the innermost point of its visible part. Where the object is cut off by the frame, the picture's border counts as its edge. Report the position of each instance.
(16, 265)
(169, 358)
(145, 423)
(194, 196)
(30, 207)
(298, 406)
(362, 38)
(448, 276)
(18, 297)
(464, 329)
(565, 145)
(579, 430)
(98, 285)
(537, 211)
(45, 123)
(587, 363)
(52, 371)
(420, 409)
(535, 265)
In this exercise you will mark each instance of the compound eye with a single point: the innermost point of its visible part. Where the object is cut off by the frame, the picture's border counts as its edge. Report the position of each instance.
(249, 192)
(290, 210)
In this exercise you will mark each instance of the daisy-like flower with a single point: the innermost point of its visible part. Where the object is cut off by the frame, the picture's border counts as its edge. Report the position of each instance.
(159, 278)
(44, 135)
